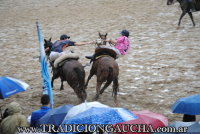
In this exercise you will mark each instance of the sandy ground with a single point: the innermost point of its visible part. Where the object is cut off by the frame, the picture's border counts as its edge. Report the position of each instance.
(162, 66)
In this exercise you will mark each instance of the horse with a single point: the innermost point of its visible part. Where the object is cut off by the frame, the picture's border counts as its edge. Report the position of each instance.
(106, 70)
(71, 71)
(187, 6)
(101, 39)
(47, 45)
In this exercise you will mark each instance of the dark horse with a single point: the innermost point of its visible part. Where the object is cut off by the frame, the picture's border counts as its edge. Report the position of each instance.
(106, 69)
(187, 6)
(71, 71)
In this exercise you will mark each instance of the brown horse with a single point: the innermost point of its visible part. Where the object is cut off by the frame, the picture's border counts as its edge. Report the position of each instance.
(71, 71)
(106, 69)
(186, 6)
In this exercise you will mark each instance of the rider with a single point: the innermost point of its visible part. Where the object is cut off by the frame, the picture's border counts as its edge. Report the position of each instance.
(121, 44)
(59, 46)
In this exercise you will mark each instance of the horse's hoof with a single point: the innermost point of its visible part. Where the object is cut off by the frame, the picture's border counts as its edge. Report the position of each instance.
(61, 89)
(116, 103)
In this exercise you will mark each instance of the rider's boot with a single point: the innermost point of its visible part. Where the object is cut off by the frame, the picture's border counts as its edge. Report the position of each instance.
(90, 57)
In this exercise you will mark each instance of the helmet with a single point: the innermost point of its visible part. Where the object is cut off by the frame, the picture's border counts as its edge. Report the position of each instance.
(64, 36)
(125, 33)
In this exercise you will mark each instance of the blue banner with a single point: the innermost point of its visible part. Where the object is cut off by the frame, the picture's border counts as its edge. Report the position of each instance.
(47, 89)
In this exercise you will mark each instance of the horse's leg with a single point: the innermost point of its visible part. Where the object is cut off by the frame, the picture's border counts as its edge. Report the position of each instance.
(83, 95)
(183, 14)
(89, 77)
(79, 94)
(191, 17)
(105, 86)
(62, 86)
(98, 87)
(115, 89)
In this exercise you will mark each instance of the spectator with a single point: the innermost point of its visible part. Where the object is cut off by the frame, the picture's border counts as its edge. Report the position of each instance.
(36, 115)
(13, 120)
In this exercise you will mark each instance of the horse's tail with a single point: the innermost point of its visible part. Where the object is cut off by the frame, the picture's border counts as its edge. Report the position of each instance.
(81, 82)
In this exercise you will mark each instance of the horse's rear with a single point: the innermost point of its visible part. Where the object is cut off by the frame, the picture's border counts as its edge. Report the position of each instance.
(106, 69)
(73, 72)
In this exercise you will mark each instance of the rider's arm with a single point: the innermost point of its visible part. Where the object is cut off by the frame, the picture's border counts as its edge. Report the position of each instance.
(82, 43)
(111, 41)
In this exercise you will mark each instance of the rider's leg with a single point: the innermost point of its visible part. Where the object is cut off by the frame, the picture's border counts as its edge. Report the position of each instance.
(53, 56)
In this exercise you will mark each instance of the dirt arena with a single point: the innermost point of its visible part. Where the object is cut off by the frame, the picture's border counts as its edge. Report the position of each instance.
(162, 65)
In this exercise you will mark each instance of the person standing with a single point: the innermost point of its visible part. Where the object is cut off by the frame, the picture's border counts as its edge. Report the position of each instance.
(13, 120)
(37, 114)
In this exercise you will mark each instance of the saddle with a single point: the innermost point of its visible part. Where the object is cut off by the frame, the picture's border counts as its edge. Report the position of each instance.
(109, 51)
(65, 57)
(103, 51)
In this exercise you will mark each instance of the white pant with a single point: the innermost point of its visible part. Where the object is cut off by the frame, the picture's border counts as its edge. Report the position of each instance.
(54, 55)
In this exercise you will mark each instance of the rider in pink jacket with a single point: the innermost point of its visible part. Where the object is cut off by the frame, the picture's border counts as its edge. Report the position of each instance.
(122, 43)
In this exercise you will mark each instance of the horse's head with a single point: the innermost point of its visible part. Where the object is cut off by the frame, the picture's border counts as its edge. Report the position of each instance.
(103, 38)
(47, 44)
(170, 2)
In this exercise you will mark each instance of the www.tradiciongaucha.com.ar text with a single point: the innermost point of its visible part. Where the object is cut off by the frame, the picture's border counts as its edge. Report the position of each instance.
(109, 128)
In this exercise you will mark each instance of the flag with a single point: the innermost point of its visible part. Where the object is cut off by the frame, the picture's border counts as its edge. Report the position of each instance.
(47, 89)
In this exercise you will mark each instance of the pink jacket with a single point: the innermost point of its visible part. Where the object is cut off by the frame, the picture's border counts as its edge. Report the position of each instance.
(123, 44)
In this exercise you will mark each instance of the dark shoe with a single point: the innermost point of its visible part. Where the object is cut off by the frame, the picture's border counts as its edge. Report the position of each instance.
(89, 57)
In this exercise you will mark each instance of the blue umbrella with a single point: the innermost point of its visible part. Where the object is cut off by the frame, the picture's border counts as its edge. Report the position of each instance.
(188, 105)
(101, 116)
(10, 86)
(56, 115)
